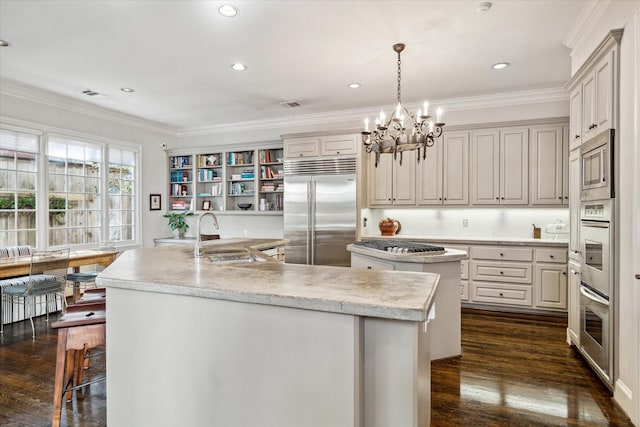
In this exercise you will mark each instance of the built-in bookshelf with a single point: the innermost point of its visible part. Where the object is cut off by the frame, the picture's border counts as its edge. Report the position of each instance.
(180, 182)
(210, 182)
(228, 181)
(271, 180)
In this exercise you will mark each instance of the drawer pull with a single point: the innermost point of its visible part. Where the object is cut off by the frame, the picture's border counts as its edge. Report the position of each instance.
(502, 272)
(501, 294)
(368, 267)
(551, 256)
(564, 273)
(501, 254)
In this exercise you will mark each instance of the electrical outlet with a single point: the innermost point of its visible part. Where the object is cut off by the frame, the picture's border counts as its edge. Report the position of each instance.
(465, 222)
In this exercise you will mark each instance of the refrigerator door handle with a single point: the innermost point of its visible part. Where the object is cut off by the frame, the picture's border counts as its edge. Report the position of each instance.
(308, 248)
(312, 220)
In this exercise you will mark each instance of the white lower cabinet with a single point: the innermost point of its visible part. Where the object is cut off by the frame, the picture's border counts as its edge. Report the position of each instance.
(516, 278)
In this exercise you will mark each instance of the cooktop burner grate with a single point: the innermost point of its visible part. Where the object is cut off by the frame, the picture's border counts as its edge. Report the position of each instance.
(402, 247)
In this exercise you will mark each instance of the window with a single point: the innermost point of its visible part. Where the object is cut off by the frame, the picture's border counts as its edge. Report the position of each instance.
(86, 191)
(122, 164)
(74, 182)
(18, 187)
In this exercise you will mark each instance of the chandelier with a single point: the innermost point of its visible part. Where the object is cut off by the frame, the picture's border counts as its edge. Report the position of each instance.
(391, 136)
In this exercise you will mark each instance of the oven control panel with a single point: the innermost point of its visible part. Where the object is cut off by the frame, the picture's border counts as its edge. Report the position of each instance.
(597, 211)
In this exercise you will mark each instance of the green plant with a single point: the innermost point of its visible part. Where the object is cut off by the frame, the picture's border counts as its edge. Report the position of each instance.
(178, 220)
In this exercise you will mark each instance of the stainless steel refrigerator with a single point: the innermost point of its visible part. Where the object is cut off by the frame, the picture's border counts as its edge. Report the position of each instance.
(319, 210)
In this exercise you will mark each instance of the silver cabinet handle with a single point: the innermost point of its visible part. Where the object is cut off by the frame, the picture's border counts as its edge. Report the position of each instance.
(593, 296)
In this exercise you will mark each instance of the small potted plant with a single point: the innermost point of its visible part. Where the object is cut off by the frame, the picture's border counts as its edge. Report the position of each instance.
(178, 221)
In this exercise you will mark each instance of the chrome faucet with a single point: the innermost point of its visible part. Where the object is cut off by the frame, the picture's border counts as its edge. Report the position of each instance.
(197, 251)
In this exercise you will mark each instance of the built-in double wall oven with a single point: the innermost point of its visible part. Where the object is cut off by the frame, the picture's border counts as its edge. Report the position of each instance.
(596, 289)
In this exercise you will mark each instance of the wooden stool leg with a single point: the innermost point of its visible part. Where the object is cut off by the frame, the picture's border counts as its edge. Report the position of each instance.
(68, 374)
(58, 386)
(80, 361)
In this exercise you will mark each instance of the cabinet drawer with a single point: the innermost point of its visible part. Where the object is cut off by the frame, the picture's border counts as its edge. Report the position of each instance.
(551, 255)
(464, 290)
(501, 294)
(301, 148)
(501, 253)
(333, 146)
(367, 263)
(509, 272)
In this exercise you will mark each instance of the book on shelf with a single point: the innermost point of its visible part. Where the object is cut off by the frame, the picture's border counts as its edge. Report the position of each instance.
(179, 205)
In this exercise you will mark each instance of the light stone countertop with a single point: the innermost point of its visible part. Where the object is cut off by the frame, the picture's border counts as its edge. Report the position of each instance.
(419, 258)
(506, 241)
(173, 270)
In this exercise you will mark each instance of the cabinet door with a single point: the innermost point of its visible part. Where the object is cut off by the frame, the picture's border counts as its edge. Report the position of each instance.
(588, 107)
(603, 113)
(456, 168)
(551, 286)
(485, 168)
(404, 179)
(574, 203)
(339, 145)
(575, 122)
(547, 165)
(574, 303)
(380, 180)
(565, 165)
(295, 148)
(514, 166)
(429, 174)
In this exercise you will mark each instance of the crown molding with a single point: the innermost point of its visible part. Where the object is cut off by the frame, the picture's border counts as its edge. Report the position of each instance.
(585, 22)
(41, 96)
(497, 100)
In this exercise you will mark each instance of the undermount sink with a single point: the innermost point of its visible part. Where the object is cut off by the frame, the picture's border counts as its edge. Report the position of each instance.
(220, 256)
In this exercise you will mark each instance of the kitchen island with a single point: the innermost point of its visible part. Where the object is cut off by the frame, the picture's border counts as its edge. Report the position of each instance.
(445, 334)
(197, 342)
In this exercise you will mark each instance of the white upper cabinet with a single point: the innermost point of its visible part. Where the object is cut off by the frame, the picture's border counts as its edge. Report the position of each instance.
(596, 83)
(500, 167)
(575, 123)
(443, 177)
(392, 184)
(597, 88)
(485, 167)
(326, 146)
(549, 173)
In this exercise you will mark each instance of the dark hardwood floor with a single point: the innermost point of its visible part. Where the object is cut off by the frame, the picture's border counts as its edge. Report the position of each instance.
(515, 371)
(518, 371)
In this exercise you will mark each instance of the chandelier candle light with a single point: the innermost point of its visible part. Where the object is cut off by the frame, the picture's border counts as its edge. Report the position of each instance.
(391, 136)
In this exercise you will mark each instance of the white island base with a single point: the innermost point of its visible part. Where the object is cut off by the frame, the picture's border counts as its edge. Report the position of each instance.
(177, 360)
(445, 332)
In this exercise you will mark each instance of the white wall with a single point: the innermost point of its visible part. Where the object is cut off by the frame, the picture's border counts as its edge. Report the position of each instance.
(482, 222)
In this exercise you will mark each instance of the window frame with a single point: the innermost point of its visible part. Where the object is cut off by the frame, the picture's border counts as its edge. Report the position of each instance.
(42, 183)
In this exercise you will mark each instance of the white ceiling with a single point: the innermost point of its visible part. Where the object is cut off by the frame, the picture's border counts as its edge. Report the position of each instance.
(177, 54)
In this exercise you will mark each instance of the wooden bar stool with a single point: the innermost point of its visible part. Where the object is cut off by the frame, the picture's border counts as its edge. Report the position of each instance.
(81, 327)
(92, 296)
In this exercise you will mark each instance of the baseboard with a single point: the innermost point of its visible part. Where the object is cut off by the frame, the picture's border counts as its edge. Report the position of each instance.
(623, 397)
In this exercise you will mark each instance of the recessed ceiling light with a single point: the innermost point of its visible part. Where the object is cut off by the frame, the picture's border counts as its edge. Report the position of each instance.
(127, 89)
(354, 85)
(238, 66)
(228, 10)
(500, 65)
(483, 7)
(4, 43)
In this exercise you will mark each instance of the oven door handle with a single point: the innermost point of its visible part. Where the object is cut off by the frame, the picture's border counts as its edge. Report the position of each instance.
(597, 224)
(593, 296)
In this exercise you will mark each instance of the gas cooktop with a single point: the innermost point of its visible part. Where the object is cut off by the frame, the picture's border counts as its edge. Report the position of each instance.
(402, 247)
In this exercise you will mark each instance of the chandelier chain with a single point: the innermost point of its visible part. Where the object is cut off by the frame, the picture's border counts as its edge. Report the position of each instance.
(399, 68)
